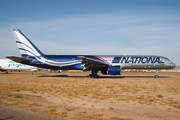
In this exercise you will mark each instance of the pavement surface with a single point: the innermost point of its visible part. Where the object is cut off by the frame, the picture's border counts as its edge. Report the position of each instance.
(11, 113)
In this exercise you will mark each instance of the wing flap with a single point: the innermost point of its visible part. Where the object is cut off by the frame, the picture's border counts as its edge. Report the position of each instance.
(92, 63)
(19, 59)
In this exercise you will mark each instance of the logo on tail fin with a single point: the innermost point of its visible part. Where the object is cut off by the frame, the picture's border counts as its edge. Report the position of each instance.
(26, 47)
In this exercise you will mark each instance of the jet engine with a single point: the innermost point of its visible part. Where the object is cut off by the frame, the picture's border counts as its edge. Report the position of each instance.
(112, 70)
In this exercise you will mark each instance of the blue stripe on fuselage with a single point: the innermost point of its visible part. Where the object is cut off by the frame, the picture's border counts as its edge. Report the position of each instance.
(57, 62)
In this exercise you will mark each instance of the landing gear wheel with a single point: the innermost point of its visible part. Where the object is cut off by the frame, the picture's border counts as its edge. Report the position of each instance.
(90, 75)
(156, 76)
(93, 76)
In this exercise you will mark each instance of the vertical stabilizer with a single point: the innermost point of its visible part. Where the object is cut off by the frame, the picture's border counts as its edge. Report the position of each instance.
(26, 47)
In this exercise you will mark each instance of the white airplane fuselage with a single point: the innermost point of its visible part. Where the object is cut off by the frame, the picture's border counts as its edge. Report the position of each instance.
(6, 64)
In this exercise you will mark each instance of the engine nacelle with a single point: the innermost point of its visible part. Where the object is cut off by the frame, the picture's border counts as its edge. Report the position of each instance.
(112, 70)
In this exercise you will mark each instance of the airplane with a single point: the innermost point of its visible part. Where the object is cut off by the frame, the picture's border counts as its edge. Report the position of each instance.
(107, 64)
(6, 64)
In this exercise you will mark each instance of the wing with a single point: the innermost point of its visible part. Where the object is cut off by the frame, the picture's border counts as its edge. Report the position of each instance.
(19, 59)
(92, 63)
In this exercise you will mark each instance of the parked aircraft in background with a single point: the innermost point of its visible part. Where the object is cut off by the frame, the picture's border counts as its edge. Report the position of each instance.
(6, 64)
(107, 64)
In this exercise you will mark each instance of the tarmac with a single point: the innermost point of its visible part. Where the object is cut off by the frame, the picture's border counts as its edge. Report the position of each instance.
(12, 113)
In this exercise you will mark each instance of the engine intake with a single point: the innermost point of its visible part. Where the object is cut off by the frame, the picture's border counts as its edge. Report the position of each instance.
(112, 70)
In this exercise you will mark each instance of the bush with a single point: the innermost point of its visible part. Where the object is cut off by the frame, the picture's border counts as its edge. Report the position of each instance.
(18, 96)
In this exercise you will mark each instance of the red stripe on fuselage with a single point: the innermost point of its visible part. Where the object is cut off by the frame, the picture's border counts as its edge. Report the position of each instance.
(101, 58)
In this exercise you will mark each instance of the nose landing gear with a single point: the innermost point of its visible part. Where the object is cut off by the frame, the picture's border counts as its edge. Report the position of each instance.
(157, 74)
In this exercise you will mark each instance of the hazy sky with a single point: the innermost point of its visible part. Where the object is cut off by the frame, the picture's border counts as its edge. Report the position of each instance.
(100, 27)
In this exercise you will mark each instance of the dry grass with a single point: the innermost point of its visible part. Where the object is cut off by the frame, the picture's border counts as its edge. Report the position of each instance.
(79, 97)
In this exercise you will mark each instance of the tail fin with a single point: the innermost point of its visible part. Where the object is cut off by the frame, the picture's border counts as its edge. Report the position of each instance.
(26, 47)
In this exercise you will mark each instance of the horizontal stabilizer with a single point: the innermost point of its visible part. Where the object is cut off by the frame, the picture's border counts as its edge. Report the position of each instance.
(19, 59)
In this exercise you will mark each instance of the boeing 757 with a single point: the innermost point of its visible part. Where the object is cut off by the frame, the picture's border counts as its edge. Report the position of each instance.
(6, 64)
(107, 64)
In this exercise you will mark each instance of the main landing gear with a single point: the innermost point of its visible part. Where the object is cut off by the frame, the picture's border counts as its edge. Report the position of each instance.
(157, 74)
(94, 73)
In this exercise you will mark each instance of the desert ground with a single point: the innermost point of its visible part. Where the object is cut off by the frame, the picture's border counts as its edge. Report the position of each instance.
(74, 96)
